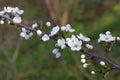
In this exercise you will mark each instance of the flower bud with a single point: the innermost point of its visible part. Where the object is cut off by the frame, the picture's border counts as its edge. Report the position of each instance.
(39, 32)
(1, 22)
(48, 24)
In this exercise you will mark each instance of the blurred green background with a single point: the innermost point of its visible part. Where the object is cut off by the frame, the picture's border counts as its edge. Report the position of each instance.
(33, 59)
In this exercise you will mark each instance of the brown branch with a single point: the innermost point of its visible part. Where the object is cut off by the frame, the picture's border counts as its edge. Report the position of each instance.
(102, 58)
(110, 69)
(16, 53)
(65, 15)
(83, 51)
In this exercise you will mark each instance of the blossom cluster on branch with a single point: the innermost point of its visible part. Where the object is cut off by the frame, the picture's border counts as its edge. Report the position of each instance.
(77, 42)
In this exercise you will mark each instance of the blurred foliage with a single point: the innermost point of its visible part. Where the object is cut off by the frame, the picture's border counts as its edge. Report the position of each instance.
(36, 61)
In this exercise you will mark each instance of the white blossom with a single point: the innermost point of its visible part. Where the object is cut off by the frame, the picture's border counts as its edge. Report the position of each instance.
(107, 37)
(67, 28)
(54, 31)
(26, 34)
(89, 46)
(18, 11)
(14, 11)
(74, 43)
(34, 25)
(2, 13)
(102, 63)
(61, 43)
(56, 52)
(39, 32)
(82, 37)
(17, 20)
(8, 9)
(45, 37)
(48, 24)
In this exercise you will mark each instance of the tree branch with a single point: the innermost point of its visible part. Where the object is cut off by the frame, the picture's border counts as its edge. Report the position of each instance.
(102, 58)
(83, 51)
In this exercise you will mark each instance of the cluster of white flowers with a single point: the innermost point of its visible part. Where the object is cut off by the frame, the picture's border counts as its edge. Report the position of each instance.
(67, 28)
(29, 33)
(56, 29)
(74, 43)
(83, 60)
(11, 12)
(107, 37)
(26, 33)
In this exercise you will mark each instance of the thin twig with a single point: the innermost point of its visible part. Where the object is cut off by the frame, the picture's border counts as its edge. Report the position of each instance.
(11, 63)
(102, 58)
(110, 69)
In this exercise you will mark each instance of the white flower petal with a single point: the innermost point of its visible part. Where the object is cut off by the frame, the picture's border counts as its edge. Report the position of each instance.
(22, 34)
(54, 31)
(34, 25)
(74, 43)
(82, 37)
(89, 46)
(17, 20)
(58, 55)
(45, 37)
(63, 28)
(55, 51)
(61, 43)
(26, 37)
